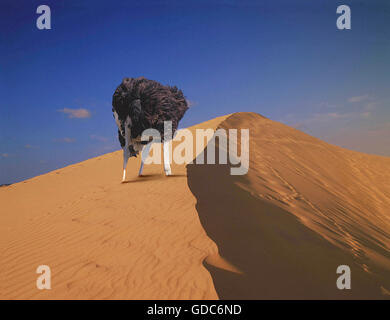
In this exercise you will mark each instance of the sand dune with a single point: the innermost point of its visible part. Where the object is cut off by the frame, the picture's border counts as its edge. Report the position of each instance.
(304, 208)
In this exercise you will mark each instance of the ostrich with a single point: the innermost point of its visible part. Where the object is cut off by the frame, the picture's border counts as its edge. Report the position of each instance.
(140, 104)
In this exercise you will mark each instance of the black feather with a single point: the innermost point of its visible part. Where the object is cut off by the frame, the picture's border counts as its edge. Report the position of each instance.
(148, 104)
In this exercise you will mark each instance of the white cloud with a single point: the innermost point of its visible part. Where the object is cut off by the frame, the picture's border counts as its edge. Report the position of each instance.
(66, 140)
(358, 98)
(327, 105)
(322, 117)
(366, 114)
(372, 139)
(76, 113)
(29, 146)
(98, 138)
(371, 105)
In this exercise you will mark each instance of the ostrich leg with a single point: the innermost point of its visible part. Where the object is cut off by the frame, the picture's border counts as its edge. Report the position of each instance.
(167, 166)
(126, 151)
(144, 155)
(125, 159)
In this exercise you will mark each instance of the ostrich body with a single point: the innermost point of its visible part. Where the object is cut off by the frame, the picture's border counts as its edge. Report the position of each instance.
(140, 104)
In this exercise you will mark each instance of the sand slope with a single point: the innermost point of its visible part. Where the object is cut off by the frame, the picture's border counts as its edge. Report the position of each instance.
(103, 239)
(304, 208)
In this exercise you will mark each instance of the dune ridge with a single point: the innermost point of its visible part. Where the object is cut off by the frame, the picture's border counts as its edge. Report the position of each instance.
(304, 208)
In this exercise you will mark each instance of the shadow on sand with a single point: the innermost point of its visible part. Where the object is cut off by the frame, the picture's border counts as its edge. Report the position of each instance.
(149, 177)
(144, 178)
(279, 257)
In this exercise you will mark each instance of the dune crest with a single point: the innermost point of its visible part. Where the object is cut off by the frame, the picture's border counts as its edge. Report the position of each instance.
(304, 208)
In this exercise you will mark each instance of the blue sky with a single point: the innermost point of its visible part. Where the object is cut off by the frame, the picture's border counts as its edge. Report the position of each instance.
(283, 59)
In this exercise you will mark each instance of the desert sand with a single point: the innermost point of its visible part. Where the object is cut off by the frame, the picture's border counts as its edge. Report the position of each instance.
(304, 208)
